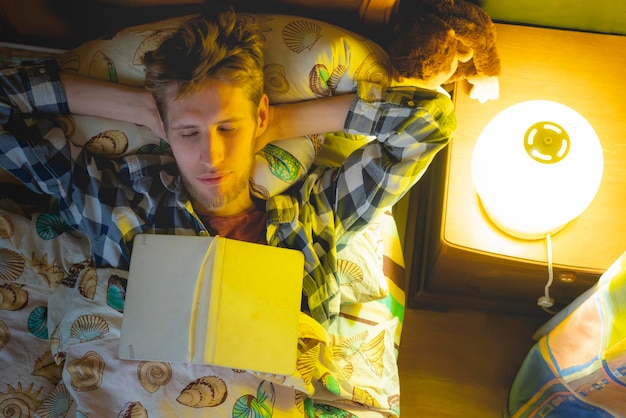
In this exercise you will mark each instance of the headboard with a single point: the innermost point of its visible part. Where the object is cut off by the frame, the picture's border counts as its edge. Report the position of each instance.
(69, 23)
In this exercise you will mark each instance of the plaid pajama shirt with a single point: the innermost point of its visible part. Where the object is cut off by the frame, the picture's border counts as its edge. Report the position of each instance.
(112, 200)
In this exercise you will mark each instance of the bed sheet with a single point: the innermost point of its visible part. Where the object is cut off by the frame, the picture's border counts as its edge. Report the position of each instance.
(60, 321)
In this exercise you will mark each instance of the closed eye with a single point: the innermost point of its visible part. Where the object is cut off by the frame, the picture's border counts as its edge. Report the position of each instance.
(188, 135)
(226, 128)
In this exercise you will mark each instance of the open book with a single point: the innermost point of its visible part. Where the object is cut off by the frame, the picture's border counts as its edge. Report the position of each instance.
(212, 300)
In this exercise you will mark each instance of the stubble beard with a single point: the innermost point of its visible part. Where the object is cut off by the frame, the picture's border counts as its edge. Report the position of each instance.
(212, 203)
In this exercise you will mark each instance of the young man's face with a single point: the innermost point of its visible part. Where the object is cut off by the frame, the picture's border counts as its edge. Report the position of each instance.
(212, 134)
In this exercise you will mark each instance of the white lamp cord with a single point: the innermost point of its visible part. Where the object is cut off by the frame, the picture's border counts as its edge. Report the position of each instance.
(546, 301)
(550, 272)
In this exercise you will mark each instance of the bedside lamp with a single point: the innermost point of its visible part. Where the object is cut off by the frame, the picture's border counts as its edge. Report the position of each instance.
(456, 254)
(536, 166)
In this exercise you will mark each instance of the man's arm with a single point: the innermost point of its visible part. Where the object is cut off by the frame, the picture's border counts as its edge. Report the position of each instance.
(411, 126)
(291, 120)
(93, 97)
(89, 96)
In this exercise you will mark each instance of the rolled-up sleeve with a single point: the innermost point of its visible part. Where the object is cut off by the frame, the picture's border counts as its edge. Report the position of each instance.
(32, 89)
(388, 113)
(411, 125)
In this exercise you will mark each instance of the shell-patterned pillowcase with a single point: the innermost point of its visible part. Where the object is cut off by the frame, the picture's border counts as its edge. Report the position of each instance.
(304, 59)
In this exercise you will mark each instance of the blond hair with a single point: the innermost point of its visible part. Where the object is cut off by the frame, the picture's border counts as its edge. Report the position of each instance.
(218, 46)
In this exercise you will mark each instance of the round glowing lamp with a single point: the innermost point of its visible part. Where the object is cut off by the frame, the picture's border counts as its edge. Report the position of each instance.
(536, 166)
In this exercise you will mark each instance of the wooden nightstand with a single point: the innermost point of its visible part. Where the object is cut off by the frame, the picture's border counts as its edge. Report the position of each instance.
(455, 255)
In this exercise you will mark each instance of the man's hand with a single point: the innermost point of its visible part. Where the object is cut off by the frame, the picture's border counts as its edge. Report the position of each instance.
(93, 97)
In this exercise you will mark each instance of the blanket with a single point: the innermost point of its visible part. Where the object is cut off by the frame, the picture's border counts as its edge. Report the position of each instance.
(577, 368)
(60, 321)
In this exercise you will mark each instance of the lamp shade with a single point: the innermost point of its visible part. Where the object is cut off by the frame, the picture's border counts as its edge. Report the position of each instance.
(536, 166)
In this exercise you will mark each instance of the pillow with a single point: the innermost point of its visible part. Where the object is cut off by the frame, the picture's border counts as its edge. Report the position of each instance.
(304, 59)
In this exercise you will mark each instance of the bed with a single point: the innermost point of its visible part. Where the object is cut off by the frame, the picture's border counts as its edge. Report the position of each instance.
(60, 316)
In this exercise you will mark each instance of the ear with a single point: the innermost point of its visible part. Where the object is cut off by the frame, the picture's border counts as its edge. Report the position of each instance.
(263, 114)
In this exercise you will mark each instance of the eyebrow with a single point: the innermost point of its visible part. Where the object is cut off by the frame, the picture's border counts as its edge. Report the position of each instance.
(194, 126)
(181, 127)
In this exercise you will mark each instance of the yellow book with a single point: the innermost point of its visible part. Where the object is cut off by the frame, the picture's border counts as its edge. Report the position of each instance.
(212, 300)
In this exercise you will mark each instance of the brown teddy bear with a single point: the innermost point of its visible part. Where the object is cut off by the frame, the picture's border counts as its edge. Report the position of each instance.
(443, 41)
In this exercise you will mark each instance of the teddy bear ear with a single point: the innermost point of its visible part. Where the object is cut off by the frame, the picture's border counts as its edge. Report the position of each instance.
(464, 53)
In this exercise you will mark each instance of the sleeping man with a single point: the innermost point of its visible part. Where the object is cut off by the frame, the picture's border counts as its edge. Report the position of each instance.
(205, 95)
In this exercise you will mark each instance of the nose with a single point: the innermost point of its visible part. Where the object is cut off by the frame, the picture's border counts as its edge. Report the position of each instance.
(213, 149)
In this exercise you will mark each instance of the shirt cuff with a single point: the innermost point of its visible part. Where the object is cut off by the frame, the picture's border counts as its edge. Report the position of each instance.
(45, 91)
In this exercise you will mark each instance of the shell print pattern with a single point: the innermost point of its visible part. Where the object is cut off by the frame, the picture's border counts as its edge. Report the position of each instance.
(301, 34)
(67, 125)
(207, 391)
(322, 83)
(102, 67)
(318, 80)
(116, 292)
(357, 345)
(110, 142)
(276, 82)
(363, 397)
(86, 372)
(322, 410)
(349, 272)
(282, 163)
(19, 402)
(307, 363)
(258, 190)
(88, 282)
(46, 367)
(133, 410)
(50, 226)
(372, 69)
(50, 272)
(336, 76)
(6, 226)
(153, 374)
(11, 265)
(373, 351)
(162, 148)
(330, 383)
(56, 404)
(12, 297)
(301, 399)
(5, 334)
(38, 322)
(317, 140)
(88, 328)
(259, 406)
(56, 341)
(394, 402)
(85, 273)
(347, 371)
(69, 61)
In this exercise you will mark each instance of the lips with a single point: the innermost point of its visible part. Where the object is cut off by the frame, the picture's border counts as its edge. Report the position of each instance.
(212, 179)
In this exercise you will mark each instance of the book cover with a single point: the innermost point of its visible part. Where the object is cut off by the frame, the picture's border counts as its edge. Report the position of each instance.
(212, 300)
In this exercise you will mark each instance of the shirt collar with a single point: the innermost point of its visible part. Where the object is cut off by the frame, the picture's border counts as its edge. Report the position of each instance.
(173, 182)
